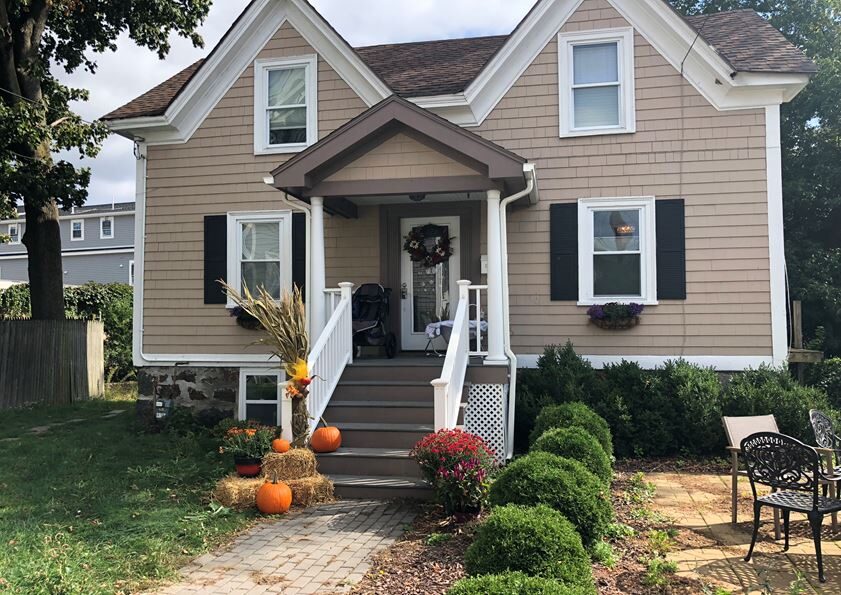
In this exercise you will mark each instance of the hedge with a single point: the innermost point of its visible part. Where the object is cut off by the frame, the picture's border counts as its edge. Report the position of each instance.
(577, 444)
(568, 415)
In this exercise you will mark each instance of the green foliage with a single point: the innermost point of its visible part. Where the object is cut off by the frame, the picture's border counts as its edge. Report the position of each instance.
(811, 139)
(577, 444)
(565, 485)
(111, 303)
(96, 508)
(618, 531)
(537, 540)
(513, 583)
(695, 397)
(826, 376)
(437, 539)
(771, 390)
(603, 553)
(573, 414)
(658, 571)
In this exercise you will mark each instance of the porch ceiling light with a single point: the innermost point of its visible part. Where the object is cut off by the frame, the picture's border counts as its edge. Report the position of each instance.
(417, 197)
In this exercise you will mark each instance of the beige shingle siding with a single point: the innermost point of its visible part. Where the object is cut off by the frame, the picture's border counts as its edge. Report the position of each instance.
(722, 178)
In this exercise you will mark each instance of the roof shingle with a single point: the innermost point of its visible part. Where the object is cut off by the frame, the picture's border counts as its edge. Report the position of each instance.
(743, 38)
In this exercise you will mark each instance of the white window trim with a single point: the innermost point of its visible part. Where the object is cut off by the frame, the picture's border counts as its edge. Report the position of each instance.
(648, 249)
(102, 236)
(284, 405)
(15, 226)
(235, 220)
(81, 223)
(261, 86)
(624, 37)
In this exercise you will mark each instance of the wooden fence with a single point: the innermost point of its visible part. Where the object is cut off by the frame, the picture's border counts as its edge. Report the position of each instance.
(50, 361)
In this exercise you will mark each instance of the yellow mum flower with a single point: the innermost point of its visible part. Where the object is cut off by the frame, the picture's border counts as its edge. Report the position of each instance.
(298, 371)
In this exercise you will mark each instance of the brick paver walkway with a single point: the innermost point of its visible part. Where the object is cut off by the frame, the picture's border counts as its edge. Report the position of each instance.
(712, 549)
(319, 550)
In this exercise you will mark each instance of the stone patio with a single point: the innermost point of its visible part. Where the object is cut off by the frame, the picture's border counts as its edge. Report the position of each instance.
(320, 550)
(712, 549)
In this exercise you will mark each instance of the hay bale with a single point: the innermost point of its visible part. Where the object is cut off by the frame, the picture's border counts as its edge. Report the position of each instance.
(309, 491)
(234, 491)
(294, 464)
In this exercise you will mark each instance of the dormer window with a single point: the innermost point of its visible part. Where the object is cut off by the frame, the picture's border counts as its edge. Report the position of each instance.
(285, 105)
(596, 82)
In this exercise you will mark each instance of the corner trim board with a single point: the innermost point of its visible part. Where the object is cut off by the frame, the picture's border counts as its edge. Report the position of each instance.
(776, 236)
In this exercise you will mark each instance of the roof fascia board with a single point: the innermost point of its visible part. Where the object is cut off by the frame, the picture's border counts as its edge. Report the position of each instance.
(237, 52)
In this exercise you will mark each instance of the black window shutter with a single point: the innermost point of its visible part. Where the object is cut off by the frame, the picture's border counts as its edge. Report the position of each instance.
(563, 251)
(671, 249)
(215, 258)
(299, 252)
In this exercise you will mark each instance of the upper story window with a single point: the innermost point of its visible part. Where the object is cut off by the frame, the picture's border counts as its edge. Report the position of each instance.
(260, 254)
(77, 230)
(285, 104)
(596, 71)
(617, 250)
(14, 233)
(106, 228)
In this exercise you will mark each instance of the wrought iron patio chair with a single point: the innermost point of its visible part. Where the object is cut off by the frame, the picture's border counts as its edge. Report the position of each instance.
(829, 446)
(794, 471)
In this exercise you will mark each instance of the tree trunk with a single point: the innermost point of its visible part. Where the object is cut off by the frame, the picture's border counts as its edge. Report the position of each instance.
(46, 275)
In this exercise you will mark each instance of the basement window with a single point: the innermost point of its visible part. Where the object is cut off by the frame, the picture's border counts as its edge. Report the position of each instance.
(261, 396)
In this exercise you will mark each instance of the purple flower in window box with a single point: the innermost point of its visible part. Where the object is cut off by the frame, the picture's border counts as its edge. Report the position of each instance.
(615, 315)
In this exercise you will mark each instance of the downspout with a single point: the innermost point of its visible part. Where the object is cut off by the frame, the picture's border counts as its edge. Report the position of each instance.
(528, 170)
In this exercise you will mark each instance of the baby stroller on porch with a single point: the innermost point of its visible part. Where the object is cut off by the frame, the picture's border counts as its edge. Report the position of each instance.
(370, 307)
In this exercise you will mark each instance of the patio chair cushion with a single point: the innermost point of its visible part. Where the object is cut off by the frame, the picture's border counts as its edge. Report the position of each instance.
(739, 428)
(800, 501)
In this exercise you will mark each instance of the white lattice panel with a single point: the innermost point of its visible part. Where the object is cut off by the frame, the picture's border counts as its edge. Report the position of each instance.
(485, 415)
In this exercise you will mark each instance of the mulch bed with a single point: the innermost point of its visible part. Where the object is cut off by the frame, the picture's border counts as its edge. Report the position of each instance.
(413, 566)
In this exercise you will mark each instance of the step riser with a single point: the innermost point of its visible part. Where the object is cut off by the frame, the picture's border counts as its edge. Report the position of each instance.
(402, 373)
(379, 466)
(381, 493)
(393, 394)
(388, 415)
(380, 439)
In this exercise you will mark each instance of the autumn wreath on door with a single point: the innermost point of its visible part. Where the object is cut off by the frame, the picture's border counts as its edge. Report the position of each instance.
(429, 245)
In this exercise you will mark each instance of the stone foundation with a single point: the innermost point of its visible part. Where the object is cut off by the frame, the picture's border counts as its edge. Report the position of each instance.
(199, 389)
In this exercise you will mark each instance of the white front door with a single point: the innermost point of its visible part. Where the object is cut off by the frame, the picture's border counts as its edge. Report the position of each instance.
(428, 294)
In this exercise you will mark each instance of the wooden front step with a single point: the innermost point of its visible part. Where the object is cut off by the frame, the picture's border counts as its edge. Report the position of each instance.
(383, 462)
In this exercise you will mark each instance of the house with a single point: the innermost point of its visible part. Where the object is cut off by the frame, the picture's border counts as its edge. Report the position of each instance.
(97, 244)
(605, 150)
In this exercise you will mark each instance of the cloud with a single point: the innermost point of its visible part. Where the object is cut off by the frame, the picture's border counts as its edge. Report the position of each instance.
(131, 70)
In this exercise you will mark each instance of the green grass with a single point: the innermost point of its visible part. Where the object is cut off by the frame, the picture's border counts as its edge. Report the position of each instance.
(98, 507)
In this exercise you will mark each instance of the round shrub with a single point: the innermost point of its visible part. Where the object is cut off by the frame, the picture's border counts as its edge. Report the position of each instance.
(567, 415)
(538, 541)
(577, 444)
(564, 484)
(514, 583)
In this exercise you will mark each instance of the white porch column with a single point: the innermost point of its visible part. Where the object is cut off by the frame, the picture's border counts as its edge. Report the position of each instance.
(317, 269)
(496, 346)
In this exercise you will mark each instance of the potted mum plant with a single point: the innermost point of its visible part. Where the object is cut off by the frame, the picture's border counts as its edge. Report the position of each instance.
(248, 445)
(284, 324)
(458, 466)
(615, 316)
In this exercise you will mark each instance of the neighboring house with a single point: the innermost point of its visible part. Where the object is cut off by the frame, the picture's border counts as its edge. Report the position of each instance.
(97, 244)
(642, 150)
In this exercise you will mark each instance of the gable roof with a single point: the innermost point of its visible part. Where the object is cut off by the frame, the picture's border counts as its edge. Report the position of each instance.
(745, 40)
(750, 43)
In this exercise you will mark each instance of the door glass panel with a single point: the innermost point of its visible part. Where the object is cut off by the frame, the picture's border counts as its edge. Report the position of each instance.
(617, 275)
(430, 285)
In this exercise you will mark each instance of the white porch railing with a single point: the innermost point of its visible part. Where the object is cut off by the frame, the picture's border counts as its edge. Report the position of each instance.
(477, 316)
(449, 386)
(333, 350)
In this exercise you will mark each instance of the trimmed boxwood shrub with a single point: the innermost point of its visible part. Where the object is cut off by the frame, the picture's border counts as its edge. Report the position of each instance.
(577, 444)
(537, 540)
(568, 415)
(514, 583)
(564, 484)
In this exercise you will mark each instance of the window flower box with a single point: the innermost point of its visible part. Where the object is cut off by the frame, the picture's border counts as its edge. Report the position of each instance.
(615, 316)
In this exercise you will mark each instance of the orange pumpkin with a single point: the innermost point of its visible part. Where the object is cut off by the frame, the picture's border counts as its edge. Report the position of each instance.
(280, 445)
(274, 497)
(326, 439)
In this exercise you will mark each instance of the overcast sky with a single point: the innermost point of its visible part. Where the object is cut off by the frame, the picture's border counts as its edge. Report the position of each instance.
(131, 70)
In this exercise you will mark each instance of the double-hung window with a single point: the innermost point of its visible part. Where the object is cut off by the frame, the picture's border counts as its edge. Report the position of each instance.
(106, 228)
(596, 82)
(261, 254)
(285, 104)
(617, 250)
(14, 233)
(77, 230)
(261, 397)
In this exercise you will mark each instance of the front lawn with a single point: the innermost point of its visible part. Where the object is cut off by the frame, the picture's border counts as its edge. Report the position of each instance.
(95, 506)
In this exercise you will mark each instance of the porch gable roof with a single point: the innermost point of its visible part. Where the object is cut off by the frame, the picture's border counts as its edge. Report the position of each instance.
(305, 175)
